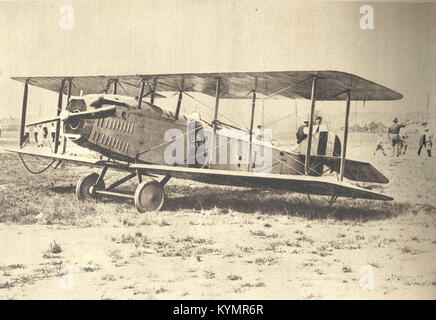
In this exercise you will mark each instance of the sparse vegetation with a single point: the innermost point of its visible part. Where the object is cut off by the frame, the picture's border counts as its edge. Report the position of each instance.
(234, 277)
(240, 229)
(346, 269)
(54, 248)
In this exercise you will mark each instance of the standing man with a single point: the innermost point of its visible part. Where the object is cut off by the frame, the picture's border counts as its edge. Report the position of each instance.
(404, 138)
(301, 135)
(422, 139)
(394, 136)
(35, 133)
(53, 132)
(428, 141)
(320, 127)
(258, 133)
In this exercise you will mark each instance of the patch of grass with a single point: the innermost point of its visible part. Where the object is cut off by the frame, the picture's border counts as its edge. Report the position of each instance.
(322, 251)
(163, 223)
(275, 246)
(346, 269)
(91, 267)
(245, 249)
(50, 256)
(127, 238)
(209, 274)
(6, 285)
(15, 266)
(115, 255)
(294, 244)
(262, 234)
(304, 238)
(108, 277)
(253, 285)
(406, 249)
(54, 248)
(161, 290)
(265, 261)
(234, 277)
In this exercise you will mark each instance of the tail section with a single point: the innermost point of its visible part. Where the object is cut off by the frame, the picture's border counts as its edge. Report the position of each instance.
(355, 170)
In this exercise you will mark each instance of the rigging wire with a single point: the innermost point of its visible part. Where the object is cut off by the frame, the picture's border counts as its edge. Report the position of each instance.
(210, 108)
(36, 172)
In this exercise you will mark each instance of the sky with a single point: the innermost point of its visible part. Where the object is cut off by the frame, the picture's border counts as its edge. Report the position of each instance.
(175, 36)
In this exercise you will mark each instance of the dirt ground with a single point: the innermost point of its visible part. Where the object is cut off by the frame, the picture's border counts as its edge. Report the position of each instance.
(218, 242)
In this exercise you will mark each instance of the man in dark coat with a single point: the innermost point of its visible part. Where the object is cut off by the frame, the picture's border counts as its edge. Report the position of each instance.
(301, 135)
(394, 136)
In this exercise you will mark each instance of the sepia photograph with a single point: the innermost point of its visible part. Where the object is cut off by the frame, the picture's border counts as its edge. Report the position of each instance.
(217, 150)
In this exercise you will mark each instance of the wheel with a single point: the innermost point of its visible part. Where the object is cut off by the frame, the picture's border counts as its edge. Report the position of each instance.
(83, 187)
(149, 196)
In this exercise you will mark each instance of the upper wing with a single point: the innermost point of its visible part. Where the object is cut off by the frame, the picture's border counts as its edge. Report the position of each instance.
(331, 85)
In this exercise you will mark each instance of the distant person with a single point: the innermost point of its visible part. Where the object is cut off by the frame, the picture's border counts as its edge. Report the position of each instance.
(428, 141)
(53, 132)
(41, 136)
(394, 136)
(257, 133)
(26, 135)
(301, 132)
(380, 145)
(35, 134)
(45, 132)
(320, 127)
(403, 144)
(422, 140)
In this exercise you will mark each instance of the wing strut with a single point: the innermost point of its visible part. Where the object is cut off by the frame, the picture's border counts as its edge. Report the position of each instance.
(215, 120)
(115, 86)
(141, 93)
(309, 138)
(179, 101)
(344, 143)
(153, 90)
(70, 82)
(58, 112)
(23, 112)
(253, 106)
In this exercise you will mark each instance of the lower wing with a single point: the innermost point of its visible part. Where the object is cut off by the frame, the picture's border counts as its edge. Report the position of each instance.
(294, 183)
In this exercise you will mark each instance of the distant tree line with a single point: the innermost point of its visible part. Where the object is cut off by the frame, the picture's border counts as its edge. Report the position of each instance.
(372, 127)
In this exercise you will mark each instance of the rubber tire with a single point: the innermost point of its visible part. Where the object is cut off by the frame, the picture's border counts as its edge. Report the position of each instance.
(149, 196)
(85, 183)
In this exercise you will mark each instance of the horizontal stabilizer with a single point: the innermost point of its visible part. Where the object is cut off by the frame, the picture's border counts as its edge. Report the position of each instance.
(355, 170)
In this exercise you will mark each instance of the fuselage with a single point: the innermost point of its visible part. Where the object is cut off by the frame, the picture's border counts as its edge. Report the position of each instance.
(151, 135)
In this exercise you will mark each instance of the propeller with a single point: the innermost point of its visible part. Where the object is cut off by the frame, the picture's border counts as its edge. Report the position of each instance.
(90, 114)
(66, 115)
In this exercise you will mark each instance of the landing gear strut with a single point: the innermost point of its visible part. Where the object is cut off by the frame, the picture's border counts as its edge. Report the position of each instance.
(149, 195)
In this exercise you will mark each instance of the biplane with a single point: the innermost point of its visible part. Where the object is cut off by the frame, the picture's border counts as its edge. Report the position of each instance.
(130, 133)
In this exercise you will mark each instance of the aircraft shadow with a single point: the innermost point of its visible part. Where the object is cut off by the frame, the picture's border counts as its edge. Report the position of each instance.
(280, 203)
(252, 201)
